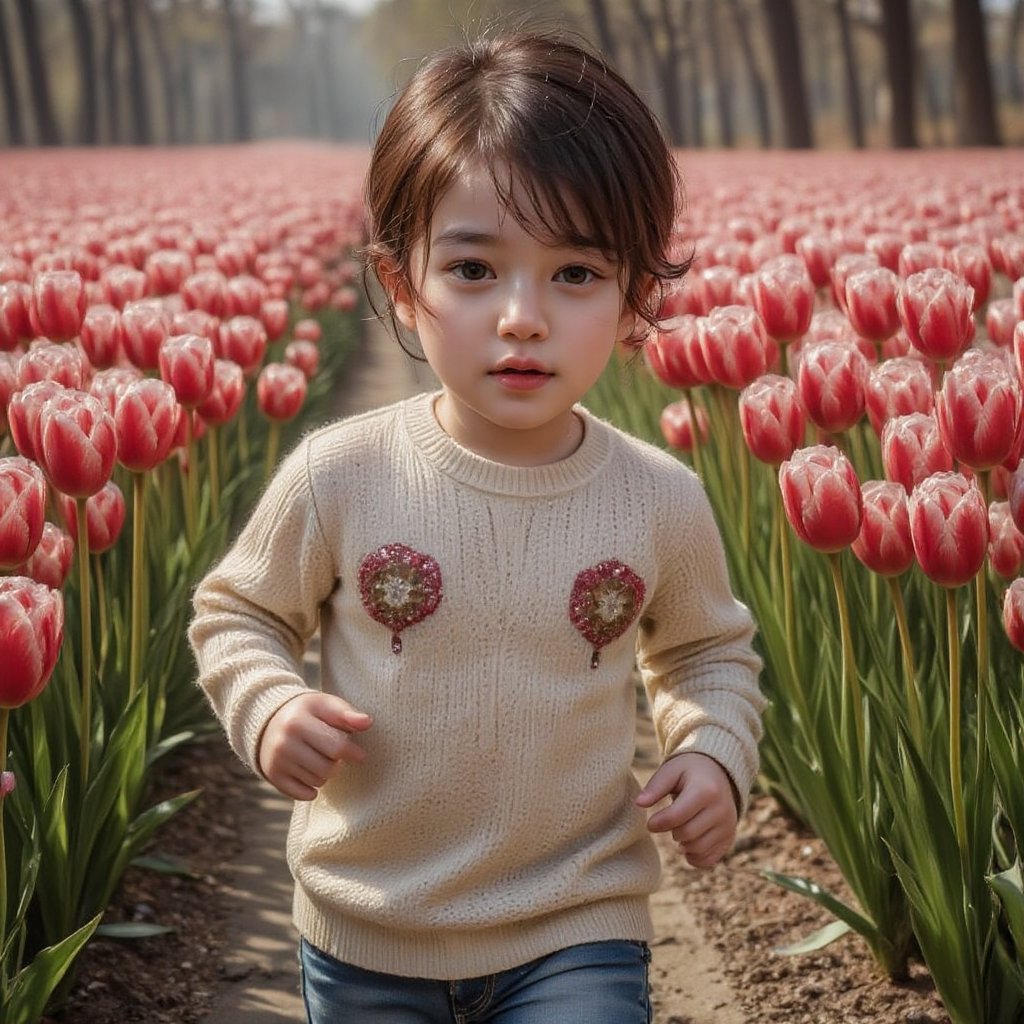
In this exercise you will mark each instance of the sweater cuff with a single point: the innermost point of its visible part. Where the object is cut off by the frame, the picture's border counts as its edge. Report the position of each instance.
(731, 753)
(246, 737)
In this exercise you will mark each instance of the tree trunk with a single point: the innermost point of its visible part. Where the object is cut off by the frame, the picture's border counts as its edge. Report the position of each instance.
(241, 109)
(9, 84)
(900, 59)
(851, 76)
(723, 87)
(112, 93)
(758, 93)
(88, 97)
(138, 94)
(184, 85)
(933, 103)
(166, 69)
(327, 69)
(784, 39)
(605, 36)
(47, 132)
(1014, 81)
(666, 64)
(974, 104)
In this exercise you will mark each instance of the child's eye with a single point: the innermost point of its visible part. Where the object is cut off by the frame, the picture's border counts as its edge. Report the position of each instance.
(470, 270)
(576, 274)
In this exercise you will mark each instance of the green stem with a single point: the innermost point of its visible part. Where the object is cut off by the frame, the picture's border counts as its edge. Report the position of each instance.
(788, 605)
(981, 626)
(138, 553)
(743, 454)
(851, 682)
(697, 460)
(273, 442)
(955, 770)
(85, 598)
(913, 696)
(4, 715)
(101, 604)
(214, 455)
(191, 483)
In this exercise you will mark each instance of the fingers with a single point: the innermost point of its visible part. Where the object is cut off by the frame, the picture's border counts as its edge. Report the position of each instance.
(664, 782)
(338, 713)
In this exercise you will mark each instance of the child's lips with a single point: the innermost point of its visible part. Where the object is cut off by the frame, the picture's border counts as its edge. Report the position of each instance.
(522, 379)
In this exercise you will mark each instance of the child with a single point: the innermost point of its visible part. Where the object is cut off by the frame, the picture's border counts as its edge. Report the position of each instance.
(485, 564)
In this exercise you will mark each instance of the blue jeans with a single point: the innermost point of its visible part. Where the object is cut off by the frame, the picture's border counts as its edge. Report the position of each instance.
(595, 983)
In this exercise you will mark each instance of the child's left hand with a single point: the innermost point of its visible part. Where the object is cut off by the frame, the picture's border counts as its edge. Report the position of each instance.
(702, 816)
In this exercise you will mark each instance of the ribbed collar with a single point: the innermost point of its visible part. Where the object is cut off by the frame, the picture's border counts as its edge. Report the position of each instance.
(451, 458)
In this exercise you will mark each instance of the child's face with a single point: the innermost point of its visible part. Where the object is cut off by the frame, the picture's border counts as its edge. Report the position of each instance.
(516, 330)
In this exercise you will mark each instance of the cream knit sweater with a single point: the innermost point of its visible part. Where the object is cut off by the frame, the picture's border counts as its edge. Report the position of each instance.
(488, 617)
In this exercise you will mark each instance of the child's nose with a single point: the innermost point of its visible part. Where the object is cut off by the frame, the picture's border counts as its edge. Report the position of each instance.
(522, 315)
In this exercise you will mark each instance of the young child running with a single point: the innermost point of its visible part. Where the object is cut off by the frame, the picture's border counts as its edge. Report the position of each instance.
(486, 565)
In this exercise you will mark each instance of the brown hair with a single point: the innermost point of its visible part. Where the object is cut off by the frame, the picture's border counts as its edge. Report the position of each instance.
(549, 117)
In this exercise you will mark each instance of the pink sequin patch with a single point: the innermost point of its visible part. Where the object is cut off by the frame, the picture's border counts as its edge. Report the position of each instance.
(399, 587)
(605, 599)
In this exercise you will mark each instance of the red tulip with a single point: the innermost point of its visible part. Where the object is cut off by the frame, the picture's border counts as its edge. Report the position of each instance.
(123, 284)
(818, 254)
(935, 310)
(1013, 613)
(784, 297)
(912, 449)
(884, 543)
(344, 299)
(1018, 298)
(305, 355)
(243, 340)
(1000, 320)
(31, 632)
(14, 269)
(886, 247)
(1006, 542)
(897, 387)
(8, 384)
(1018, 351)
(949, 528)
(246, 295)
(830, 325)
(104, 516)
(166, 271)
(23, 415)
(274, 314)
(734, 344)
(145, 324)
(231, 257)
(109, 385)
(186, 363)
(1008, 253)
(22, 509)
(50, 563)
(831, 381)
(195, 321)
(77, 443)
(102, 335)
(871, 303)
(845, 267)
(63, 364)
(58, 304)
(207, 290)
(15, 325)
(821, 496)
(307, 330)
(280, 391)
(677, 427)
(916, 257)
(225, 398)
(971, 264)
(772, 418)
(145, 421)
(674, 354)
(978, 410)
(716, 286)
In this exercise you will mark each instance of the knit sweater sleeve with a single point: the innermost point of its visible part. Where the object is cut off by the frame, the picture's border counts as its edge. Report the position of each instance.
(694, 646)
(256, 610)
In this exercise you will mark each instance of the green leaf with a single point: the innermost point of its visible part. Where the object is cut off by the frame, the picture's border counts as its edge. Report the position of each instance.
(1009, 887)
(131, 930)
(816, 940)
(164, 866)
(813, 891)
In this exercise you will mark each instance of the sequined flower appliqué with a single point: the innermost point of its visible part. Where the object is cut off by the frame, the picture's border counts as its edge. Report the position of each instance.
(605, 599)
(399, 587)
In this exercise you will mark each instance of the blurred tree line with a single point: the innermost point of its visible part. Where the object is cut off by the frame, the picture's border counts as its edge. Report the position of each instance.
(783, 73)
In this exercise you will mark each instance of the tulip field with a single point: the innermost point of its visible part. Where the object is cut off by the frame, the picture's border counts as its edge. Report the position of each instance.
(168, 322)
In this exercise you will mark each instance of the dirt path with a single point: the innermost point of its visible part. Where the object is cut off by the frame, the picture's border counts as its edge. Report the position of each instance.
(260, 976)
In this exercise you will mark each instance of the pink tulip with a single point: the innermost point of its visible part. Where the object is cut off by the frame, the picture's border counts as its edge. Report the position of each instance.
(246, 295)
(734, 344)
(167, 270)
(1006, 542)
(309, 330)
(243, 340)
(1015, 497)
(207, 290)
(884, 543)
(15, 325)
(109, 385)
(818, 254)
(674, 354)
(784, 297)
(916, 257)
(871, 303)
(1018, 351)
(104, 516)
(14, 269)
(45, 360)
(949, 528)
(1013, 613)
(830, 325)
(58, 304)
(305, 355)
(145, 421)
(231, 257)
(102, 335)
(145, 326)
(23, 415)
(680, 299)
(978, 410)
(912, 449)
(1008, 255)
(22, 509)
(886, 246)
(50, 563)
(677, 426)
(1018, 298)
(971, 264)
(1000, 320)
(845, 267)
(821, 496)
(831, 382)
(274, 315)
(31, 633)
(186, 363)
(280, 391)
(225, 398)
(123, 284)
(897, 387)
(935, 310)
(77, 443)
(344, 299)
(772, 418)
(8, 384)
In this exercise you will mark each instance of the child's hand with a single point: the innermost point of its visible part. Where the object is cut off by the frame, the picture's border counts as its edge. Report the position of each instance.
(307, 741)
(702, 816)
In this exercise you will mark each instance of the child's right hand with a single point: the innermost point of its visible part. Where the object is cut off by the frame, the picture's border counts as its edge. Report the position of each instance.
(307, 741)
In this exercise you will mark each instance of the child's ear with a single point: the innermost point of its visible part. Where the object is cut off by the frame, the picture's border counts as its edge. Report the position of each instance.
(395, 283)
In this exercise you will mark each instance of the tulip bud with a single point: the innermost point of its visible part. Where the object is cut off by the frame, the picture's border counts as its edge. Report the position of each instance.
(186, 363)
(677, 426)
(978, 409)
(50, 563)
(307, 330)
(167, 270)
(912, 449)
(821, 496)
(305, 355)
(716, 286)
(1008, 255)
(274, 314)
(280, 391)
(845, 267)
(23, 415)
(104, 516)
(831, 382)
(22, 509)
(245, 295)
(784, 297)
(818, 254)
(1006, 542)
(145, 421)
(123, 284)
(772, 418)
(195, 321)
(145, 328)
(243, 340)
(207, 290)
(225, 398)
(935, 310)
(63, 364)
(830, 325)
(949, 528)
(897, 387)
(8, 384)
(101, 335)
(58, 304)
(971, 264)
(31, 633)
(916, 257)
(77, 443)
(674, 354)
(871, 303)
(344, 299)
(1015, 496)
(109, 385)
(1013, 613)
(884, 543)
(15, 325)
(734, 344)
(886, 246)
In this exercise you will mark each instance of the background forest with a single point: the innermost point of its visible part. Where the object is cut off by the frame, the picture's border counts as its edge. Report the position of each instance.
(721, 73)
